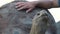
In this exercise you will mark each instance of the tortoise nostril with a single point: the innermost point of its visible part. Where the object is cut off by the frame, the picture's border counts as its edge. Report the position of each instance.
(44, 15)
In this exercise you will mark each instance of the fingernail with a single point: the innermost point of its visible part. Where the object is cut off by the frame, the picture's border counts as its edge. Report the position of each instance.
(16, 4)
(18, 9)
(26, 11)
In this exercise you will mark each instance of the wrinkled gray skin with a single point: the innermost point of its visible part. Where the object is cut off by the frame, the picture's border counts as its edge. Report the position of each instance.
(16, 22)
(58, 27)
(43, 22)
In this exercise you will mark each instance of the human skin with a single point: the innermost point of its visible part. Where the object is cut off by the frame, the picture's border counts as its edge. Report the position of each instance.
(41, 3)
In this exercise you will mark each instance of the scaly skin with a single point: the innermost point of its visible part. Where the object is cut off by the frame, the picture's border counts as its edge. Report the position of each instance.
(42, 22)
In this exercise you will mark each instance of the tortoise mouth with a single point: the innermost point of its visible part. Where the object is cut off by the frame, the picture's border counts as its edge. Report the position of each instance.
(45, 18)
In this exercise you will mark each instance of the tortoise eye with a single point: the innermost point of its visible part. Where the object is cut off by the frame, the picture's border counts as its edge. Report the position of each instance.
(38, 14)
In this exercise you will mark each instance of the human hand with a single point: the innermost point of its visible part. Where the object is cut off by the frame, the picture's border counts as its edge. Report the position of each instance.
(25, 5)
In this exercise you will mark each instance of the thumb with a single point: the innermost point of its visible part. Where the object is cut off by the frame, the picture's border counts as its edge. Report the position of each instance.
(29, 10)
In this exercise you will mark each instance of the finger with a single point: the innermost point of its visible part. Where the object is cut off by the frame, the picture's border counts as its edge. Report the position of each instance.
(19, 5)
(29, 10)
(24, 7)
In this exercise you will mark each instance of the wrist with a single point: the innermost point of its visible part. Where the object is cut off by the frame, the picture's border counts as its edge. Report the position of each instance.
(35, 3)
(43, 3)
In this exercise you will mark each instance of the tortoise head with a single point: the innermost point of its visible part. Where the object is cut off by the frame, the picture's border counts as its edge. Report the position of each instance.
(41, 16)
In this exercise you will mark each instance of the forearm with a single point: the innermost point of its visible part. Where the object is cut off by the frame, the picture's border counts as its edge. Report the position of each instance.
(47, 3)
